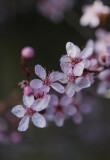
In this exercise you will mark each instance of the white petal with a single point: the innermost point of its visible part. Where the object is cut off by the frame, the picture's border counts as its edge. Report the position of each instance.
(86, 63)
(19, 111)
(55, 76)
(54, 101)
(40, 71)
(66, 68)
(36, 83)
(28, 100)
(24, 123)
(39, 120)
(64, 78)
(78, 69)
(82, 82)
(65, 59)
(58, 87)
(90, 43)
(87, 52)
(70, 89)
(41, 103)
(71, 49)
(65, 100)
(59, 119)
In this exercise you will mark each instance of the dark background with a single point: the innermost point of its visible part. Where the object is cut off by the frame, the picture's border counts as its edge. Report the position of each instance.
(24, 26)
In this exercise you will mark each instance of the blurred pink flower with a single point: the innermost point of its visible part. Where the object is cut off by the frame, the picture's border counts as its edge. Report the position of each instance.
(102, 47)
(54, 9)
(47, 81)
(31, 108)
(59, 110)
(91, 13)
(104, 85)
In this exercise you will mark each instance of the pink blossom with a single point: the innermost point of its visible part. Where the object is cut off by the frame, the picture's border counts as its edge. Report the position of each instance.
(104, 85)
(54, 9)
(59, 110)
(28, 52)
(73, 65)
(75, 60)
(102, 47)
(31, 109)
(91, 13)
(46, 81)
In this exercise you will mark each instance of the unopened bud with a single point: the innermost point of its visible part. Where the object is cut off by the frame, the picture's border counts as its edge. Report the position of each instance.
(28, 52)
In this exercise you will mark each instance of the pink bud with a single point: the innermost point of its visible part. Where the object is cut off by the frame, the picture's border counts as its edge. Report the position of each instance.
(28, 91)
(28, 52)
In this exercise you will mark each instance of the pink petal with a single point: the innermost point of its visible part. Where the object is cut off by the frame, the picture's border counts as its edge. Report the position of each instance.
(54, 101)
(59, 119)
(71, 110)
(64, 78)
(40, 71)
(18, 111)
(78, 69)
(104, 74)
(65, 100)
(102, 87)
(65, 59)
(71, 50)
(55, 76)
(39, 120)
(86, 63)
(24, 123)
(70, 89)
(87, 52)
(90, 43)
(58, 87)
(41, 103)
(36, 83)
(28, 100)
(66, 68)
(82, 82)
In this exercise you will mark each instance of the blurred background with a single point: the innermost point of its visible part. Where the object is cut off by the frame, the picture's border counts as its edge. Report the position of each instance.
(27, 23)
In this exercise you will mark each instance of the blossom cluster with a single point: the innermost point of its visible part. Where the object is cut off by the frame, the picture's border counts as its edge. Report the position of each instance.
(79, 68)
(40, 105)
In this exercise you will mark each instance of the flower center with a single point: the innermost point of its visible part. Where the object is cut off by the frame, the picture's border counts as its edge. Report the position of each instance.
(75, 60)
(47, 81)
(59, 108)
(30, 111)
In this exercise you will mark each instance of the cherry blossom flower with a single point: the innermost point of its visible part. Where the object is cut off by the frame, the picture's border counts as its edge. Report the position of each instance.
(46, 81)
(75, 59)
(73, 65)
(59, 110)
(102, 47)
(54, 9)
(31, 109)
(91, 13)
(104, 85)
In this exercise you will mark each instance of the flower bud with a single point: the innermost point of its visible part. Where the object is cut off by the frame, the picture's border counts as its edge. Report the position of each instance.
(28, 52)
(28, 91)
